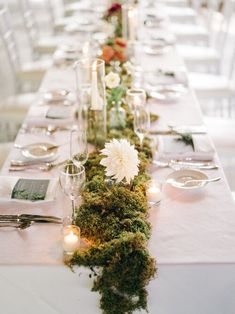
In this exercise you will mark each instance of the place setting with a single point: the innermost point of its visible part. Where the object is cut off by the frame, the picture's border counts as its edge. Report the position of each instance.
(66, 55)
(165, 85)
(53, 104)
(47, 112)
(189, 155)
(157, 47)
(153, 20)
(45, 156)
(20, 190)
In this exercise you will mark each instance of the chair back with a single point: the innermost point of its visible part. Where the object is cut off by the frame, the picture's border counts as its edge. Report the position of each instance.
(29, 21)
(8, 38)
(223, 39)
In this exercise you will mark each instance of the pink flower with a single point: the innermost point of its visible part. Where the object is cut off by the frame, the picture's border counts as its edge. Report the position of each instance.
(114, 8)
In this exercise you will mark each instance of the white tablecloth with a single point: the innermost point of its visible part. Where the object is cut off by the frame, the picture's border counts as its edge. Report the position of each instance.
(193, 237)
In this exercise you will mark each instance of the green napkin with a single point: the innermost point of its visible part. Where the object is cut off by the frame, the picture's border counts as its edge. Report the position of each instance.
(28, 189)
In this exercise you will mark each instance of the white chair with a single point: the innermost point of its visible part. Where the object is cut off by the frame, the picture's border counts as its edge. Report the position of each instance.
(222, 131)
(16, 106)
(4, 152)
(216, 88)
(209, 57)
(40, 45)
(233, 196)
(199, 32)
(30, 72)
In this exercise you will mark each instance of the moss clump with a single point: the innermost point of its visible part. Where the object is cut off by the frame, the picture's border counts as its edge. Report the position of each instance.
(126, 270)
(114, 218)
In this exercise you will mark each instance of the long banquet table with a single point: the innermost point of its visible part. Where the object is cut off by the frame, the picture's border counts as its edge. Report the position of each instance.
(193, 234)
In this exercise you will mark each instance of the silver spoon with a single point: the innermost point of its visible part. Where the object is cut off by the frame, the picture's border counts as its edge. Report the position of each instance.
(203, 181)
(188, 182)
(174, 164)
(45, 148)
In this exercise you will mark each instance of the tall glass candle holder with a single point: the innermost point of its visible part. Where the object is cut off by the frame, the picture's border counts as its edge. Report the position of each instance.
(90, 74)
(129, 21)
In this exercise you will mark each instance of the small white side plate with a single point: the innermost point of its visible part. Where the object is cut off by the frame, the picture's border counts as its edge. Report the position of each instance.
(39, 151)
(168, 93)
(179, 177)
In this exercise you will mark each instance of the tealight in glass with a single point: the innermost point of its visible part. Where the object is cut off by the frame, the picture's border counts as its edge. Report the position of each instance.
(71, 239)
(154, 192)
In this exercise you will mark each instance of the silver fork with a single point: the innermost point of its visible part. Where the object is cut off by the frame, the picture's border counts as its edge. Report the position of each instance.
(17, 165)
(45, 167)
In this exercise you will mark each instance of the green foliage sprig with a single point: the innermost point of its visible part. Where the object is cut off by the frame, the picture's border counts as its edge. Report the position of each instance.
(186, 138)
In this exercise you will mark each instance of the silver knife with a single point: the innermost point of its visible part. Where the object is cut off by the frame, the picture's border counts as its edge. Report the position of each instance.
(35, 218)
(175, 132)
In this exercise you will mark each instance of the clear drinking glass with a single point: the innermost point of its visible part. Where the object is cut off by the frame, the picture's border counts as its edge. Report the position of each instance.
(72, 179)
(78, 147)
(135, 98)
(141, 123)
(90, 74)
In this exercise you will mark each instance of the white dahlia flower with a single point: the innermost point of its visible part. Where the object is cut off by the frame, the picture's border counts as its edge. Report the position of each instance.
(121, 161)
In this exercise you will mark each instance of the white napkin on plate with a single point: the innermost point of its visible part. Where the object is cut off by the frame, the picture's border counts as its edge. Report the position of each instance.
(7, 185)
(170, 148)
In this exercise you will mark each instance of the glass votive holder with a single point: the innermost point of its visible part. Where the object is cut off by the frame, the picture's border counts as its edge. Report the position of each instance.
(154, 192)
(136, 97)
(71, 239)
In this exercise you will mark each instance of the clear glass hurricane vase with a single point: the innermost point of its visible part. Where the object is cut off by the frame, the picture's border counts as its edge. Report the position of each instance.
(90, 74)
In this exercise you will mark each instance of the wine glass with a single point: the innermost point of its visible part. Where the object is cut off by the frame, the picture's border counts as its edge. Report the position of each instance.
(78, 147)
(141, 123)
(72, 180)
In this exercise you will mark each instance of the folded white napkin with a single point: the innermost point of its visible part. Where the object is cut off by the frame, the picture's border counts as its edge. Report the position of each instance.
(7, 185)
(169, 79)
(170, 148)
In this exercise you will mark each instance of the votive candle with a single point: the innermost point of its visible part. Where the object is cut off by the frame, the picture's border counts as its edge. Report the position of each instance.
(154, 192)
(71, 239)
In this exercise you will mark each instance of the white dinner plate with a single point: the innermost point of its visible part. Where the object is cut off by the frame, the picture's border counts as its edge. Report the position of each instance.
(156, 49)
(40, 151)
(55, 95)
(167, 93)
(71, 48)
(178, 178)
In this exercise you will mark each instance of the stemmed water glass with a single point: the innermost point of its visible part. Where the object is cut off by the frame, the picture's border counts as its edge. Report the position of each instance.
(78, 147)
(141, 123)
(72, 180)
